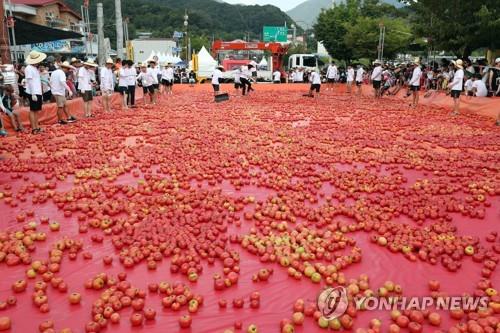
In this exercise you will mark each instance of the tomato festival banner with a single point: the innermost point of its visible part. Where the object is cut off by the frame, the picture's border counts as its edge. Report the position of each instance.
(60, 46)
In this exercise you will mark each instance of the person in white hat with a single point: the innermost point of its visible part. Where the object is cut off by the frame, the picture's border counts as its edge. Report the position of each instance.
(167, 79)
(34, 88)
(377, 78)
(59, 88)
(107, 84)
(415, 82)
(147, 80)
(85, 85)
(156, 73)
(457, 85)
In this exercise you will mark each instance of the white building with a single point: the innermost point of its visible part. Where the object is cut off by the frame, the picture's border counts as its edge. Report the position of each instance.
(142, 48)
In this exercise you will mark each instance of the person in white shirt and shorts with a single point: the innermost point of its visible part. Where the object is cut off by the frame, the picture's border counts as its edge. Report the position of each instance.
(315, 84)
(107, 84)
(59, 88)
(34, 88)
(331, 75)
(456, 85)
(377, 78)
(85, 86)
(216, 78)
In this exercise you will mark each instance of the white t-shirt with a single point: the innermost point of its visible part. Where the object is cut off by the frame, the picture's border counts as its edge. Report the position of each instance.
(277, 76)
(350, 75)
(237, 76)
(123, 77)
(216, 76)
(359, 75)
(458, 80)
(154, 74)
(167, 74)
(107, 79)
(415, 78)
(146, 78)
(131, 75)
(332, 71)
(58, 82)
(299, 76)
(481, 90)
(315, 78)
(377, 73)
(84, 77)
(468, 85)
(33, 82)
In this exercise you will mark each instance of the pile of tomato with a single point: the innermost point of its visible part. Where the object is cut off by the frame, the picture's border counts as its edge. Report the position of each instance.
(190, 209)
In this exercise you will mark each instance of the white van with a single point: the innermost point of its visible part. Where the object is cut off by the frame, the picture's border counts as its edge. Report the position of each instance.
(307, 61)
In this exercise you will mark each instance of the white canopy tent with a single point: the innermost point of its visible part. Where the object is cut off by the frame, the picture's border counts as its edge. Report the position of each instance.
(206, 63)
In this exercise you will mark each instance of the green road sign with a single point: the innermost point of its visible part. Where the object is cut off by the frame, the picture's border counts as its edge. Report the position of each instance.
(275, 34)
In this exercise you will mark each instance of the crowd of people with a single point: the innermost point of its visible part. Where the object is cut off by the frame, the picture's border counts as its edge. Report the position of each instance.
(45, 79)
(42, 79)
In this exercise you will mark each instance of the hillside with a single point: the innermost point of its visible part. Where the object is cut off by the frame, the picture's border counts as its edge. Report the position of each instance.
(309, 10)
(207, 18)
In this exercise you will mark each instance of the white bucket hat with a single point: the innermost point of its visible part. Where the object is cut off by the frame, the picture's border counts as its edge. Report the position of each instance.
(35, 57)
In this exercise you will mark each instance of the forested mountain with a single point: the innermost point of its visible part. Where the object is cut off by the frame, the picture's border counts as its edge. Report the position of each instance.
(207, 18)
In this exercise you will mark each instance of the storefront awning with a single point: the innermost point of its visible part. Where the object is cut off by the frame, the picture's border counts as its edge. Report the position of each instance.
(31, 33)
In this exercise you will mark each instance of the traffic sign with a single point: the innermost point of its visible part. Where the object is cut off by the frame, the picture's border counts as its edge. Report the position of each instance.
(275, 34)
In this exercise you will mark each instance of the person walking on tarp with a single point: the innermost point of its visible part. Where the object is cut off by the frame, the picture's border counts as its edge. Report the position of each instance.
(457, 85)
(216, 79)
(34, 88)
(415, 82)
(315, 79)
(377, 78)
(246, 74)
(147, 81)
(107, 85)
(331, 75)
(85, 86)
(359, 78)
(59, 86)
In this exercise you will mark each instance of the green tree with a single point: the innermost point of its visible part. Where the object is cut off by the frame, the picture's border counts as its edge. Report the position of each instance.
(459, 26)
(330, 28)
(351, 29)
(362, 37)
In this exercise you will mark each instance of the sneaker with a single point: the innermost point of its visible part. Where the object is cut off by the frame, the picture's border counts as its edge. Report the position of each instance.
(62, 122)
(3, 133)
(71, 119)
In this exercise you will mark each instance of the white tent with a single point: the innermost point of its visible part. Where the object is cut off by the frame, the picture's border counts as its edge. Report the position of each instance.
(206, 63)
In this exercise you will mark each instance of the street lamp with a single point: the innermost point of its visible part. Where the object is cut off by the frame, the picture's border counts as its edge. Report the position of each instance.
(188, 43)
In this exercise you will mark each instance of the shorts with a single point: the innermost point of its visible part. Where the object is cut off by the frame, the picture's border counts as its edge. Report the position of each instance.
(150, 89)
(47, 96)
(60, 101)
(156, 86)
(237, 85)
(359, 83)
(455, 93)
(87, 96)
(36, 105)
(191, 80)
(376, 84)
(167, 83)
(414, 88)
(329, 80)
(276, 82)
(216, 87)
(254, 74)
(122, 90)
(316, 87)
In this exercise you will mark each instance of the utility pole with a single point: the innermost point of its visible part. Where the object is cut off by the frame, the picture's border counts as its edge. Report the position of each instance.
(4, 40)
(101, 53)
(119, 29)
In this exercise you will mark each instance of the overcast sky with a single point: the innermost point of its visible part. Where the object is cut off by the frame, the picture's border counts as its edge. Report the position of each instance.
(283, 4)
